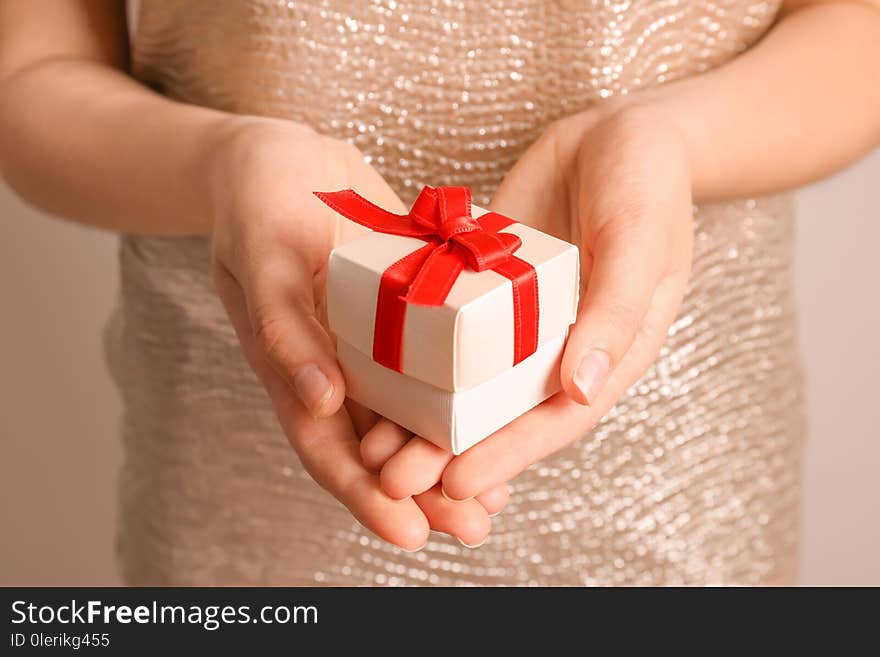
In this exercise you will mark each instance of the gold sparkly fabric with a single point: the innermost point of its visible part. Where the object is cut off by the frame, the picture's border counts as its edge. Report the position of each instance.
(693, 478)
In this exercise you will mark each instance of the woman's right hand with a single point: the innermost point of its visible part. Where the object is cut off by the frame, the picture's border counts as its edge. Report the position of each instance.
(271, 241)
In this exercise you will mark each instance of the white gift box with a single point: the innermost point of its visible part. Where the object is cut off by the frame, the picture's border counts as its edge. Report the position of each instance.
(458, 383)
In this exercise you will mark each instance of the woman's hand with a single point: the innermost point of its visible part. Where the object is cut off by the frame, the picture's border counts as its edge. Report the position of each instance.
(618, 185)
(271, 241)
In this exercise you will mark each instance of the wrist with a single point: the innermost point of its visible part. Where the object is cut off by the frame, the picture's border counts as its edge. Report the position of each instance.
(240, 147)
(648, 119)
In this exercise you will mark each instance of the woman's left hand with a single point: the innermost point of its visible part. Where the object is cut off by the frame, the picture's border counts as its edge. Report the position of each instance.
(618, 184)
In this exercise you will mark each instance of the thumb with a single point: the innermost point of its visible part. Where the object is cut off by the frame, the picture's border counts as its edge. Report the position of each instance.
(625, 270)
(280, 299)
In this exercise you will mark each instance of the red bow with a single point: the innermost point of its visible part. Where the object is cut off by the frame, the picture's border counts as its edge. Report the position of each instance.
(441, 217)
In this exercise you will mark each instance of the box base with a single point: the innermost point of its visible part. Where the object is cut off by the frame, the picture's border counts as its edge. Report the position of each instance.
(459, 420)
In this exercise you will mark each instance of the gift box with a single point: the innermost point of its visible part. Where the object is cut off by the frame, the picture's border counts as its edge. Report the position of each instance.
(449, 320)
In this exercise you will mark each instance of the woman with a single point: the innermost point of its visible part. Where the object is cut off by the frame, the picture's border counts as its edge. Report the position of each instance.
(201, 139)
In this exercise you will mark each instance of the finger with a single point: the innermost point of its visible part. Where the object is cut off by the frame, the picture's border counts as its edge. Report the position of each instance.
(362, 418)
(466, 521)
(280, 300)
(330, 453)
(559, 421)
(328, 447)
(627, 261)
(535, 199)
(506, 453)
(414, 469)
(495, 499)
(382, 442)
(522, 194)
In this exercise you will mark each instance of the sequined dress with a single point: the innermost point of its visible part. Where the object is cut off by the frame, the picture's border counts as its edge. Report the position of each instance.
(692, 478)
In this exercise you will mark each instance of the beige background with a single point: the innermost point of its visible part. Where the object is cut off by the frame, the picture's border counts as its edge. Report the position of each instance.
(59, 450)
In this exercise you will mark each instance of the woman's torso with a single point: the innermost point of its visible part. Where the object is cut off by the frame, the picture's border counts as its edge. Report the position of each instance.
(692, 478)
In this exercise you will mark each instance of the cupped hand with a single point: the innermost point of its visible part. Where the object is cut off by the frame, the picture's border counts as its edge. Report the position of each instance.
(420, 469)
(618, 185)
(271, 241)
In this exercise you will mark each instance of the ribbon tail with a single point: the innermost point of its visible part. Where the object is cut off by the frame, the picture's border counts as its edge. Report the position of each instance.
(437, 276)
(391, 307)
(352, 205)
(526, 306)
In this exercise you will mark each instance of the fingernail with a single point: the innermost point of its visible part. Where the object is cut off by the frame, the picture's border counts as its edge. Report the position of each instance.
(418, 549)
(591, 373)
(453, 500)
(313, 387)
(472, 547)
(497, 513)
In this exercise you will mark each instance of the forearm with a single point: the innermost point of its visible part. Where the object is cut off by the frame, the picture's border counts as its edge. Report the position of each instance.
(801, 104)
(85, 141)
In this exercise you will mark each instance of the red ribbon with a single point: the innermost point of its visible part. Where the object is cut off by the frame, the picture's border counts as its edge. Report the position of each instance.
(455, 240)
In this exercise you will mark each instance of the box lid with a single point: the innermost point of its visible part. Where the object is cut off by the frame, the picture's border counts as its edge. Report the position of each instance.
(470, 338)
